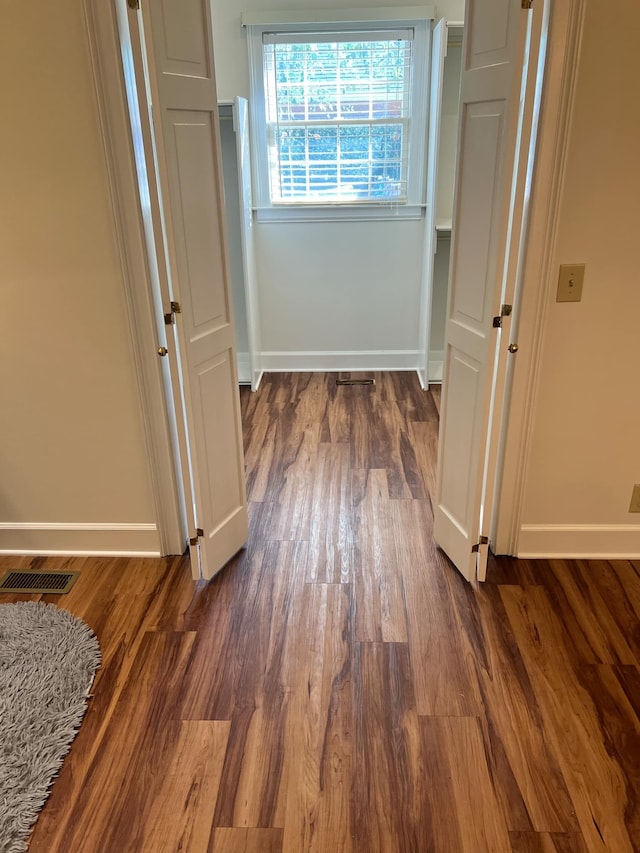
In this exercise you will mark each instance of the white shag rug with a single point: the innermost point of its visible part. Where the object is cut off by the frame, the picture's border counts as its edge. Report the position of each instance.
(48, 660)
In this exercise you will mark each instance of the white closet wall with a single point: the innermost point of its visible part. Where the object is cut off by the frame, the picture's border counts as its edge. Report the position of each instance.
(232, 204)
(444, 206)
(449, 125)
(345, 295)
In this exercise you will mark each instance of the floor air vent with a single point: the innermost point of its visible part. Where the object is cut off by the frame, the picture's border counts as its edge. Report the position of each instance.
(37, 582)
(355, 381)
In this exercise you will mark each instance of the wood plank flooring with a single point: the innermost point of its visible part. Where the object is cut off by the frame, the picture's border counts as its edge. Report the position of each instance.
(339, 688)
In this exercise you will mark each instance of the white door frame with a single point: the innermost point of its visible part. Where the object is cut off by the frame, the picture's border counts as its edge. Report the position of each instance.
(439, 41)
(240, 109)
(537, 274)
(562, 62)
(146, 335)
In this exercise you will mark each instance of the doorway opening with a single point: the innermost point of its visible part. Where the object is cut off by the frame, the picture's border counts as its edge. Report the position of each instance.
(185, 331)
(367, 295)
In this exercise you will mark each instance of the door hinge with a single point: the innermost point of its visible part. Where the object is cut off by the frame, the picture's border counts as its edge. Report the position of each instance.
(170, 318)
(133, 4)
(527, 4)
(505, 311)
(483, 540)
(194, 539)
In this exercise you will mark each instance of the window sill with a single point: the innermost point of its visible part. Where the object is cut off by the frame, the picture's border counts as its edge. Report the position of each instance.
(338, 212)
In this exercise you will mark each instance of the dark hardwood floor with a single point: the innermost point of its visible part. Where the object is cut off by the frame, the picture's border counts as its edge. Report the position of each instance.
(339, 688)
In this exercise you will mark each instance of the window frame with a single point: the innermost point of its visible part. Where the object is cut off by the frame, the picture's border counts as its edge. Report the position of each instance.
(413, 206)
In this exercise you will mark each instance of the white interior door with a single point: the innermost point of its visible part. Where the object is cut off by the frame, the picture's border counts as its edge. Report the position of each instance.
(182, 91)
(241, 127)
(438, 53)
(495, 57)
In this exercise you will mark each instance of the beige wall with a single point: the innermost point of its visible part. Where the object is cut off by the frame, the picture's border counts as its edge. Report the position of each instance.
(585, 453)
(72, 449)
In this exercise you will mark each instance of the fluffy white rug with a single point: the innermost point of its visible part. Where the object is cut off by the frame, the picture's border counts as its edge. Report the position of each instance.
(48, 660)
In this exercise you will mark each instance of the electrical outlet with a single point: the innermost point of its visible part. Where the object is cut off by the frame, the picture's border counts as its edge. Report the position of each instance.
(570, 283)
(634, 506)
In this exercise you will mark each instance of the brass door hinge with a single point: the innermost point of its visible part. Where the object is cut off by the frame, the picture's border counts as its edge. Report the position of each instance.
(133, 4)
(527, 4)
(170, 318)
(483, 540)
(194, 539)
(505, 311)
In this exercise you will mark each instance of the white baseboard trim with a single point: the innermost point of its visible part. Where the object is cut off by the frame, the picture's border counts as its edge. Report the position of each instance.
(244, 368)
(259, 379)
(580, 541)
(436, 366)
(296, 362)
(52, 538)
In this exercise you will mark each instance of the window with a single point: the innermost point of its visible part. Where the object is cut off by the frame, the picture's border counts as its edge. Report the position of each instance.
(337, 112)
(339, 119)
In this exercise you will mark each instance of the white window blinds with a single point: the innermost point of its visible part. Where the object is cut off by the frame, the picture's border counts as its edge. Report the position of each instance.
(338, 112)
